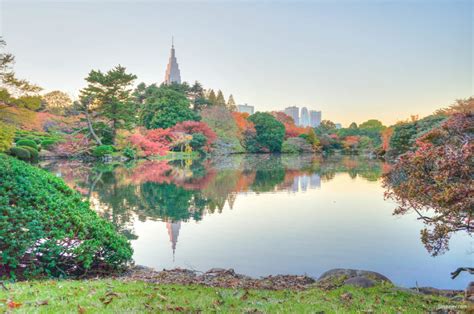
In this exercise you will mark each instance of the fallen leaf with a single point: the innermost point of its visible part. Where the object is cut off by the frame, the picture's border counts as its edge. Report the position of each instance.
(13, 304)
(80, 309)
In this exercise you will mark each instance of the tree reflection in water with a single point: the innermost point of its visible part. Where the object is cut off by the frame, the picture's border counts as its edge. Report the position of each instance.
(175, 191)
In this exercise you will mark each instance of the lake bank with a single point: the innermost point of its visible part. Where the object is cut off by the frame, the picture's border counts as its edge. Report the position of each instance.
(119, 295)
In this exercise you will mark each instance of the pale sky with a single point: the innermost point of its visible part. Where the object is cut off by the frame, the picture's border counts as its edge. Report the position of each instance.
(354, 60)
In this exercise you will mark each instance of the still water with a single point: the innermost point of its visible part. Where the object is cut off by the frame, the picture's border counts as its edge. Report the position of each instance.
(265, 215)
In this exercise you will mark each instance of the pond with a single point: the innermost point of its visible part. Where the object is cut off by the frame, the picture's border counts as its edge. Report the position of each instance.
(263, 215)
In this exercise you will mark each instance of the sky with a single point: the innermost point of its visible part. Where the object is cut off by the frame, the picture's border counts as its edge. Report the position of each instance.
(353, 60)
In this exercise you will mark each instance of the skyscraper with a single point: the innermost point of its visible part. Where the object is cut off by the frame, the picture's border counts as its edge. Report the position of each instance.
(172, 70)
(246, 109)
(293, 112)
(304, 117)
(314, 118)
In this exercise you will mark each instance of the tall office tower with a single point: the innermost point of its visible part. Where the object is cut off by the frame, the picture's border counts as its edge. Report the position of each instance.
(304, 120)
(293, 112)
(314, 118)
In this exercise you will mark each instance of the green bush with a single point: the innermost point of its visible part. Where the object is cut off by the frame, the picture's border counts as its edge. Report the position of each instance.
(26, 142)
(34, 155)
(129, 152)
(198, 142)
(47, 230)
(102, 150)
(48, 143)
(20, 153)
(295, 145)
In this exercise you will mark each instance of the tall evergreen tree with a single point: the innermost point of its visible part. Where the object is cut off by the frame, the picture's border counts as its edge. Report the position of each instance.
(231, 105)
(220, 100)
(111, 96)
(211, 97)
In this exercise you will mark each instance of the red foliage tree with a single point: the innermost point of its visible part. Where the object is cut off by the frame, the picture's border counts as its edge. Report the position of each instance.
(193, 127)
(154, 142)
(436, 181)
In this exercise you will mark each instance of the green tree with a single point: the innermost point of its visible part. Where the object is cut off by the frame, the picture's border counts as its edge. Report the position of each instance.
(313, 139)
(220, 100)
(212, 98)
(111, 96)
(231, 105)
(270, 132)
(372, 125)
(8, 78)
(353, 125)
(198, 100)
(166, 107)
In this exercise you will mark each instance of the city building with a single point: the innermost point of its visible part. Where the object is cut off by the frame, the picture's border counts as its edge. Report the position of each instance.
(293, 112)
(246, 109)
(314, 118)
(304, 119)
(173, 74)
(338, 126)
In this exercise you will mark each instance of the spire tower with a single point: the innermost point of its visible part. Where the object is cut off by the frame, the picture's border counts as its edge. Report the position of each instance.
(173, 74)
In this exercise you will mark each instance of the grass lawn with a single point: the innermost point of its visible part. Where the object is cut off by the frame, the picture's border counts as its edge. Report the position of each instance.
(116, 296)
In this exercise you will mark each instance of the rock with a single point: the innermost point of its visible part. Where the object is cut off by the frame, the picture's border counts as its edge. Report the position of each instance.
(438, 292)
(338, 273)
(359, 281)
(469, 292)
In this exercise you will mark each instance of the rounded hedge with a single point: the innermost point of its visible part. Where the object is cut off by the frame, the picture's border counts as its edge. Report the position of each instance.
(47, 230)
(101, 151)
(47, 144)
(29, 143)
(20, 153)
(34, 155)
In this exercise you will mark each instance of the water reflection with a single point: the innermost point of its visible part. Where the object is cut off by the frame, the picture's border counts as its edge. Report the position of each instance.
(176, 191)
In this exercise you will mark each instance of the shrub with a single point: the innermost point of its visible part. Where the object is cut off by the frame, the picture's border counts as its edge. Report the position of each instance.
(129, 152)
(47, 230)
(27, 142)
(269, 133)
(7, 133)
(47, 144)
(101, 151)
(295, 145)
(34, 156)
(20, 153)
(198, 142)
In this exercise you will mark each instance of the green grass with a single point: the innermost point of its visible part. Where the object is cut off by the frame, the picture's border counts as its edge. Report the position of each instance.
(115, 296)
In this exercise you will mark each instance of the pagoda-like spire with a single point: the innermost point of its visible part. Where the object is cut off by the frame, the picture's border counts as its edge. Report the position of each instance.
(173, 74)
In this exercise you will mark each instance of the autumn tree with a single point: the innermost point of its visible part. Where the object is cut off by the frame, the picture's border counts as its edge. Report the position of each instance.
(57, 102)
(435, 181)
(110, 94)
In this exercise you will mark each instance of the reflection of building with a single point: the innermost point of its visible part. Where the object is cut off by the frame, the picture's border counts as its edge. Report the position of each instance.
(173, 233)
(315, 181)
(304, 183)
(304, 119)
(246, 109)
(172, 70)
(293, 112)
(314, 118)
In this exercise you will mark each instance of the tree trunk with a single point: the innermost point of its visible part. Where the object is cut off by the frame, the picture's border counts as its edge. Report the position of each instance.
(91, 129)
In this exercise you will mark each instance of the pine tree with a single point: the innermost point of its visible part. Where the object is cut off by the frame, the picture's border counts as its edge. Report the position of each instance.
(220, 101)
(111, 92)
(212, 97)
(231, 103)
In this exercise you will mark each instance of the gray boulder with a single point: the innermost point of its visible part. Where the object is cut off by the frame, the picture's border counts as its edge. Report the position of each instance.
(362, 282)
(338, 273)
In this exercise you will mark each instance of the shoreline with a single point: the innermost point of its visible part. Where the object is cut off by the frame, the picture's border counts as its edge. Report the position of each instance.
(329, 280)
